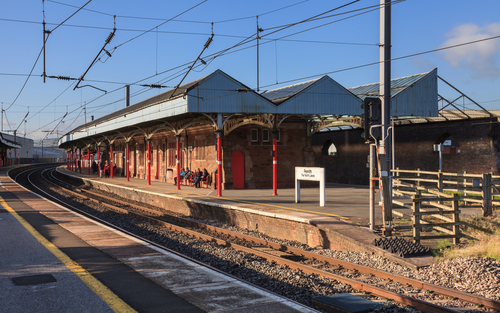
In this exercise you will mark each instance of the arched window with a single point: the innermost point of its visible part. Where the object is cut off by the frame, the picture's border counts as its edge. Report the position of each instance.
(329, 149)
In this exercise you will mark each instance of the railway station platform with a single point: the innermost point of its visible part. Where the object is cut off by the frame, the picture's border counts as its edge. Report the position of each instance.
(341, 224)
(56, 260)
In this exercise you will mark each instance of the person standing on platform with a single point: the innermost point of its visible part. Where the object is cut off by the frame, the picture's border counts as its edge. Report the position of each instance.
(106, 169)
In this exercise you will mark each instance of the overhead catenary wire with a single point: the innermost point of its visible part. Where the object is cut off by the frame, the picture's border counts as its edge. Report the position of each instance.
(194, 33)
(185, 21)
(123, 43)
(393, 59)
(154, 75)
(40, 53)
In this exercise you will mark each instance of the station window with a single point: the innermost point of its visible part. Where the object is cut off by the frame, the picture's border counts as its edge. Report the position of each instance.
(255, 135)
(329, 149)
(265, 135)
(172, 149)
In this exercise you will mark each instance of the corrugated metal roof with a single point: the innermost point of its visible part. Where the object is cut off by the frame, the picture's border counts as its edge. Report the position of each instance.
(9, 143)
(323, 96)
(164, 96)
(279, 95)
(397, 85)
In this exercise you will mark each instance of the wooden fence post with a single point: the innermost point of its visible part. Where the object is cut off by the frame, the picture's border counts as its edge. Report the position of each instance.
(418, 177)
(416, 217)
(486, 194)
(456, 220)
(465, 188)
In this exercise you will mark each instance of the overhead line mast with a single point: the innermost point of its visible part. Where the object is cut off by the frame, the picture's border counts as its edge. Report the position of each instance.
(385, 97)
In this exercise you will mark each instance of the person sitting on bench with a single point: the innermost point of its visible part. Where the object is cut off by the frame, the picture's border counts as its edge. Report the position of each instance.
(197, 178)
(183, 172)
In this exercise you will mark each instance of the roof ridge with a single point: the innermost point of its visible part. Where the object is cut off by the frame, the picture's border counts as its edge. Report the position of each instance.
(393, 79)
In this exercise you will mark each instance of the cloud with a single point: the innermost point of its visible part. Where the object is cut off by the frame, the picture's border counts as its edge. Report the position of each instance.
(480, 57)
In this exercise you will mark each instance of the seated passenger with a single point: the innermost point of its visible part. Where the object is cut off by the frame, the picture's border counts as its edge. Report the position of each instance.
(197, 178)
(183, 172)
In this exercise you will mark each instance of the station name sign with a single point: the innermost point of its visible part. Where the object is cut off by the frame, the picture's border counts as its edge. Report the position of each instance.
(310, 173)
(313, 174)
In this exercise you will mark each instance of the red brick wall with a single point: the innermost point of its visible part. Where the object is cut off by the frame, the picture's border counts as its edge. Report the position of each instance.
(294, 149)
(413, 149)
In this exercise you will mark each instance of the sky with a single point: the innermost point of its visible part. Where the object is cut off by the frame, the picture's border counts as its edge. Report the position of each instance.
(156, 41)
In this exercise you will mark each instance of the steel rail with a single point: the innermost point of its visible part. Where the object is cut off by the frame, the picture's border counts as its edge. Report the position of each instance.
(152, 243)
(355, 284)
(452, 293)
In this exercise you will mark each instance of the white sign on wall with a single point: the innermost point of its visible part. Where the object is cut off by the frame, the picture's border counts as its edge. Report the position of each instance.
(311, 174)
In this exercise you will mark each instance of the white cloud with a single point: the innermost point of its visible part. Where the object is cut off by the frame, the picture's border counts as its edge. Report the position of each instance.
(480, 57)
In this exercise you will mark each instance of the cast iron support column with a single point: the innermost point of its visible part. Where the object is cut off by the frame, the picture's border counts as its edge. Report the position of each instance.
(157, 162)
(81, 158)
(111, 160)
(88, 160)
(99, 162)
(219, 163)
(149, 162)
(178, 162)
(275, 163)
(127, 162)
(67, 160)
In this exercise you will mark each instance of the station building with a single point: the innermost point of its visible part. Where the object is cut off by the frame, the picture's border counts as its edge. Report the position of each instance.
(243, 138)
(13, 149)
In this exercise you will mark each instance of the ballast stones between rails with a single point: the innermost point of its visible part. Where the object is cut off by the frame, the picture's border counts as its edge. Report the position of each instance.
(401, 247)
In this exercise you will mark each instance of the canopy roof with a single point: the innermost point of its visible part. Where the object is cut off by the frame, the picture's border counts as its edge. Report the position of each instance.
(317, 99)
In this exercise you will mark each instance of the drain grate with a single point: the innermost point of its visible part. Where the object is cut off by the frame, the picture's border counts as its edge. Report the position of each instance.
(401, 247)
(33, 280)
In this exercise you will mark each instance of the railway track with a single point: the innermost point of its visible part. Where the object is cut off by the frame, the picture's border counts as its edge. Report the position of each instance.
(363, 279)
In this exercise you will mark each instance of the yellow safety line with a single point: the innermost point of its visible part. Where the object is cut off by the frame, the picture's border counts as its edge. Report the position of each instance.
(249, 202)
(114, 302)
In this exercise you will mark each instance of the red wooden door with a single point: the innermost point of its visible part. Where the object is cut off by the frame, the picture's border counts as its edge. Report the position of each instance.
(238, 168)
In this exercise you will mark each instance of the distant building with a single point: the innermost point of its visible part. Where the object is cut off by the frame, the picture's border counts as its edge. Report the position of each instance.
(24, 149)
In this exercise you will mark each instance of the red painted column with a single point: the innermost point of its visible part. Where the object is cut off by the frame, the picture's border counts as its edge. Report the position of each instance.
(88, 160)
(219, 163)
(275, 164)
(111, 161)
(149, 162)
(67, 160)
(80, 163)
(158, 162)
(99, 162)
(128, 169)
(178, 165)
